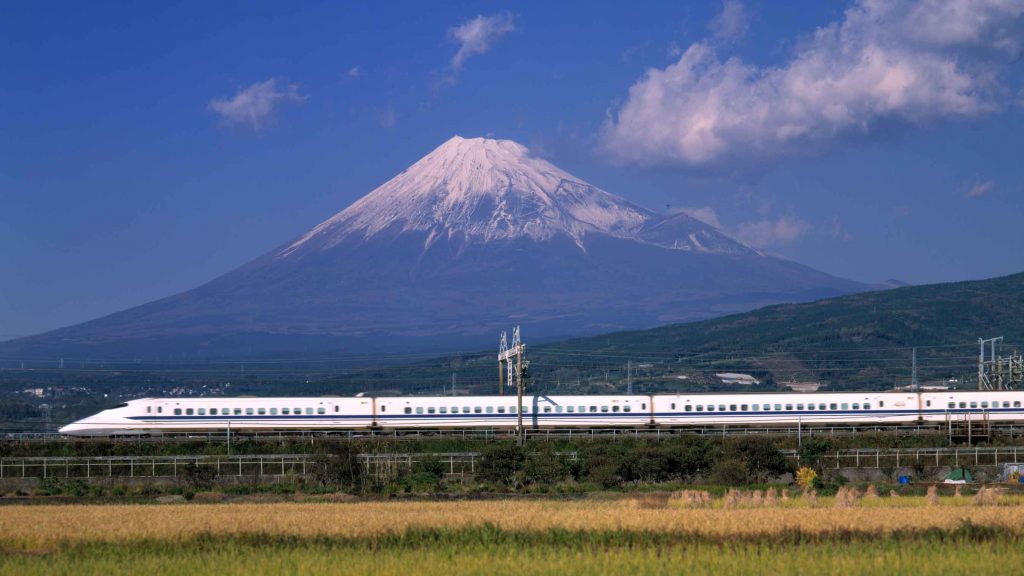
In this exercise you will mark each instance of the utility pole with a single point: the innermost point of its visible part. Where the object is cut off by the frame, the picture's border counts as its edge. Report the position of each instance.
(629, 377)
(509, 372)
(453, 383)
(913, 371)
(984, 382)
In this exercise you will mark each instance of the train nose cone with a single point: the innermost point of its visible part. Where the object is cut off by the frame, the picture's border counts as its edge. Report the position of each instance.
(71, 429)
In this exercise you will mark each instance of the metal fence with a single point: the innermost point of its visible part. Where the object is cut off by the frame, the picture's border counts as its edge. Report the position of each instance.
(155, 466)
(907, 457)
(464, 464)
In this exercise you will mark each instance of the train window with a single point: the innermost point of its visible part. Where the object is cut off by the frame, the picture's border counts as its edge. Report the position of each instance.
(320, 410)
(159, 409)
(213, 411)
(465, 409)
(604, 408)
(501, 409)
(732, 407)
(431, 410)
(711, 407)
(455, 409)
(547, 409)
(570, 408)
(177, 411)
(490, 409)
(856, 406)
(789, 407)
(526, 409)
(297, 411)
(643, 406)
(477, 409)
(443, 409)
(687, 408)
(810, 406)
(408, 410)
(867, 406)
(744, 407)
(721, 407)
(261, 411)
(767, 407)
(149, 409)
(799, 406)
(188, 411)
(844, 406)
(833, 406)
(700, 408)
(615, 408)
(928, 403)
(309, 411)
(289, 411)
(1006, 404)
(673, 405)
(238, 411)
(627, 408)
(984, 404)
(558, 409)
(202, 411)
(248, 411)
(963, 404)
(778, 407)
(951, 405)
(593, 408)
(419, 409)
(974, 404)
(335, 408)
(1016, 403)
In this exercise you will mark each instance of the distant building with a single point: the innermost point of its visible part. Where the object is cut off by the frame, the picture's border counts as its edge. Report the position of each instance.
(737, 379)
(803, 386)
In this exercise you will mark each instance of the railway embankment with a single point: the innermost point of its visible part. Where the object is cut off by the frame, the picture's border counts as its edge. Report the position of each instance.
(456, 467)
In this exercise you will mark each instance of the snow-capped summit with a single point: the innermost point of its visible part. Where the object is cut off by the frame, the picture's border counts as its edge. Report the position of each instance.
(480, 189)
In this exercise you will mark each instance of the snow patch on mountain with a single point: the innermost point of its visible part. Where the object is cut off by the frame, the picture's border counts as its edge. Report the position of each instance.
(483, 190)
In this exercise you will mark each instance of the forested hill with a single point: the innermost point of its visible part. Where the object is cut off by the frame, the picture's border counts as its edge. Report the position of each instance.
(858, 341)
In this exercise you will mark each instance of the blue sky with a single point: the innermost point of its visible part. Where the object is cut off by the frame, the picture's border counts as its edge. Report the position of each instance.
(146, 148)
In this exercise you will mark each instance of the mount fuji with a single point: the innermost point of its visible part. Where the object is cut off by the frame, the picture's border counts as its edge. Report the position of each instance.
(476, 236)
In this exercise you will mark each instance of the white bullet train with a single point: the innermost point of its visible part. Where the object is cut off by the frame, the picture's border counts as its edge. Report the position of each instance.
(155, 416)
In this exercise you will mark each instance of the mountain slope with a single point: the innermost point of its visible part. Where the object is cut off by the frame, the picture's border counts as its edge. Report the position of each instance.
(861, 341)
(474, 236)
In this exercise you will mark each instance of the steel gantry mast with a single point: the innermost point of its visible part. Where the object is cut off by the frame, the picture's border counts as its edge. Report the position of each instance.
(512, 368)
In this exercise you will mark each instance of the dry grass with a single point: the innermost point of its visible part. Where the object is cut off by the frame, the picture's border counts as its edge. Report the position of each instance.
(691, 499)
(40, 526)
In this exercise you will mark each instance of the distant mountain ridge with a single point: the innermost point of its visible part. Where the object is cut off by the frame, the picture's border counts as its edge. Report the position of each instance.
(476, 235)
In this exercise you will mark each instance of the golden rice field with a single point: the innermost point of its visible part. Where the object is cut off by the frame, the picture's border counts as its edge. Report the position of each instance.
(643, 535)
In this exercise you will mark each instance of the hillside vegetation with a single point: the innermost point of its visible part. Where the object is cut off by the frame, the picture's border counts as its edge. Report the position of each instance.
(857, 341)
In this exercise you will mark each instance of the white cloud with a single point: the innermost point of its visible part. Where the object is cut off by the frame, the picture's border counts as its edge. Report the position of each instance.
(731, 23)
(904, 62)
(353, 72)
(477, 35)
(254, 105)
(837, 231)
(705, 214)
(767, 233)
(979, 189)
